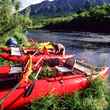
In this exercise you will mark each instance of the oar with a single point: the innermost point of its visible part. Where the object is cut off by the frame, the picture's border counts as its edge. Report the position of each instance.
(30, 87)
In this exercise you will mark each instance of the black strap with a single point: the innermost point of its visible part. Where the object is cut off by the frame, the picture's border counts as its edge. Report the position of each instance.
(29, 89)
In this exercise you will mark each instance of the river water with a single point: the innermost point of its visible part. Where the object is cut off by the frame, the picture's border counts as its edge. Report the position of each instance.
(91, 47)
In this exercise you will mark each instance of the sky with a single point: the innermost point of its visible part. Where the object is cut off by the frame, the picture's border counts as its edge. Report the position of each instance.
(25, 3)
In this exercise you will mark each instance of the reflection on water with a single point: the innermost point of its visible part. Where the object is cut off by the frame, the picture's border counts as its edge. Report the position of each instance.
(92, 47)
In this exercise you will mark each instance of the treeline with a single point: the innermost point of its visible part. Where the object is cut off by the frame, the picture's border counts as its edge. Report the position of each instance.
(94, 19)
(42, 21)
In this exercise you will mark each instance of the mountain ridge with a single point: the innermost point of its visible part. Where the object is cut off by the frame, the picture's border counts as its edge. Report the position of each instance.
(62, 7)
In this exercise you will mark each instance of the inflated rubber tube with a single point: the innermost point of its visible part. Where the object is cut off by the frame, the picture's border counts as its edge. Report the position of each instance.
(43, 88)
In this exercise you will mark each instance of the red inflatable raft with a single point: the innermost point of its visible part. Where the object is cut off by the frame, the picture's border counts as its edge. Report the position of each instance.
(60, 85)
(8, 70)
(35, 58)
(43, 88)
(26, 50)
(67, 82)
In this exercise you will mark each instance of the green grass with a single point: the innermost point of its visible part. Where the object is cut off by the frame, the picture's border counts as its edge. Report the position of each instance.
(96, 97)
(46, 103)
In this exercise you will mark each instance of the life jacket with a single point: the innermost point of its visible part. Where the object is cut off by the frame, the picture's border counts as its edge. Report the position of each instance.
(45, 45)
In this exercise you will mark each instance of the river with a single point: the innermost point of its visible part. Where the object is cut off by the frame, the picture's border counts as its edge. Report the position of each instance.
(91, 47)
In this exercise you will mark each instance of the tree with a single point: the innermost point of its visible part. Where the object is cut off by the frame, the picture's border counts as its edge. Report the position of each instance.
(10, 18)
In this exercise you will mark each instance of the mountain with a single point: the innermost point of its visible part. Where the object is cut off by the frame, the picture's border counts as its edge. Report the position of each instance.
(62, 7)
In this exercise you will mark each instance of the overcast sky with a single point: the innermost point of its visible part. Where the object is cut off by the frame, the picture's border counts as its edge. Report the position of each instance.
(25, 3)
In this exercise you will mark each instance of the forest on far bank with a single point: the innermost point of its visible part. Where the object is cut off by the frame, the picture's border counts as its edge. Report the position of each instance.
(93, 19)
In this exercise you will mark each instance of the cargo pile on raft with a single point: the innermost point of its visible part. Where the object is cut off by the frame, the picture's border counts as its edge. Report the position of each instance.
(26, 80)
